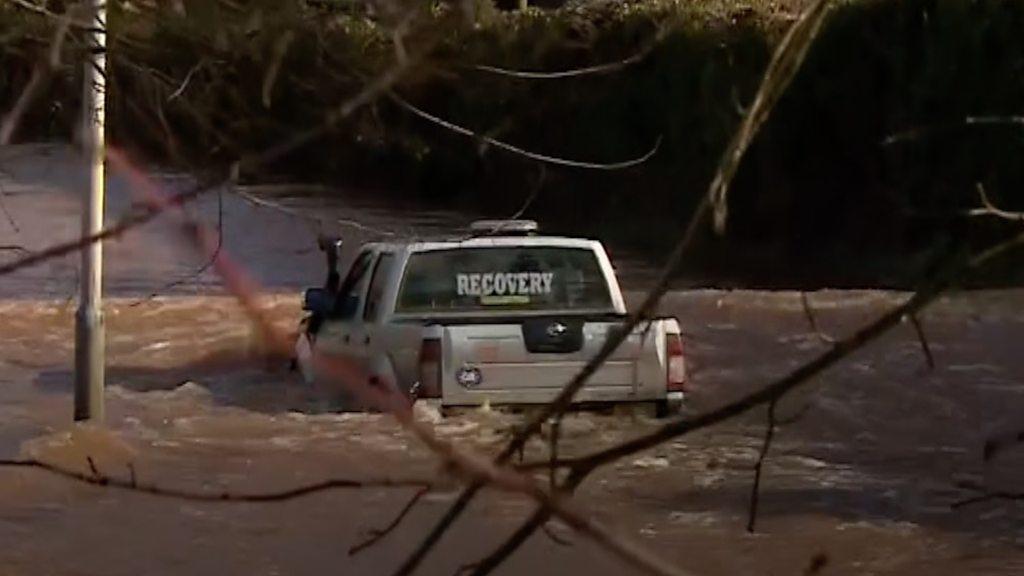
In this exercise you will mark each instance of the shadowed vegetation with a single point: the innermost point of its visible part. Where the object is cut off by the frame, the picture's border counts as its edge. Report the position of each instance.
(826, 196)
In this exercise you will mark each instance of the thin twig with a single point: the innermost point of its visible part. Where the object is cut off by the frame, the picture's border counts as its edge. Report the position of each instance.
(984, 495)
(92, 467)
(278, 207)
(553, 160)
(378, 534)
(605, 68)
(925, 348)
(541, 177)
(420, 552)
(916, 133)
(202, 269)
(755, 488)
(7, 213)
(987, 497)
(809, 314)
(501, 225)
(538, 519)
(95, 478)
(184, 83)
(990, 209)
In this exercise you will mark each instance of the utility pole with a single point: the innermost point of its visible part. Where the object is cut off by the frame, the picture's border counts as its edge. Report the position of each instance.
(90, 337)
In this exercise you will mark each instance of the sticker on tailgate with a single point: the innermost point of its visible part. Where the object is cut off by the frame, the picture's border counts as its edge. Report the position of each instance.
(469, 377)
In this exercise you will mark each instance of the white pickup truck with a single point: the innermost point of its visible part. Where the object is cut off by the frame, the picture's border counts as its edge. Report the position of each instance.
(502, 316)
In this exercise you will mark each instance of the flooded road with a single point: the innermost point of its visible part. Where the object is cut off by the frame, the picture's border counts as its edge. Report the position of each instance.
(865, 475)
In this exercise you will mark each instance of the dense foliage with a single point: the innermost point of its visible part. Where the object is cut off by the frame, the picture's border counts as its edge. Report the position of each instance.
(823, 198)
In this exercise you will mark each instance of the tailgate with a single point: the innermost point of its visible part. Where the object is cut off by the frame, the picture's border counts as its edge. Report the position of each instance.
(529, 362)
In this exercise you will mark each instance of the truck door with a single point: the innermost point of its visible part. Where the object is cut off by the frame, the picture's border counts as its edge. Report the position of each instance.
(343, 334)
(390, 348)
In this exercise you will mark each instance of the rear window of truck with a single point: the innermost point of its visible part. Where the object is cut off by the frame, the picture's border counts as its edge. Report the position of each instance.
(525, 278)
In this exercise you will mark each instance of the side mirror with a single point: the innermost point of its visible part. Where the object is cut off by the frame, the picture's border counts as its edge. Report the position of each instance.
(331, 245)
(318, 301)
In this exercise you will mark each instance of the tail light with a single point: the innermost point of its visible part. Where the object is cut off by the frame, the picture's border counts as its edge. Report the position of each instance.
(675, 377)
(430, 369)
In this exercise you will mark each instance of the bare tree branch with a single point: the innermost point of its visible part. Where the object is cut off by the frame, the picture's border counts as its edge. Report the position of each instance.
(184, 83)
(925, 348)
(538, 519)
(3, 202)
(987, 497)
(202, 269)
(278, 207)
(755, 488)
(7, 213)
(553, 160)
(377, 534)
(537, 187)
(922, 131)
(499, 225)
(990, 209)
(420, 552)
(984, 495)
(40, 77)
(785, 62)
(92, 468)
(809, 314)
(96, 478)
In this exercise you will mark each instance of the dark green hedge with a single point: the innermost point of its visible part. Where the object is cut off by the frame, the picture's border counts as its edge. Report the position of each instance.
(821, 199)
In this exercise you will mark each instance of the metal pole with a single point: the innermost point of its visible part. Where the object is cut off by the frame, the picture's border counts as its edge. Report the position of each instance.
(90, 340)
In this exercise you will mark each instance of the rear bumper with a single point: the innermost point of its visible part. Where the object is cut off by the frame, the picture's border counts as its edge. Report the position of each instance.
(522, 396)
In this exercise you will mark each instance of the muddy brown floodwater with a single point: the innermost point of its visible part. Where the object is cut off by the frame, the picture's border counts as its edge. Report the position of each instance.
(866, 476)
